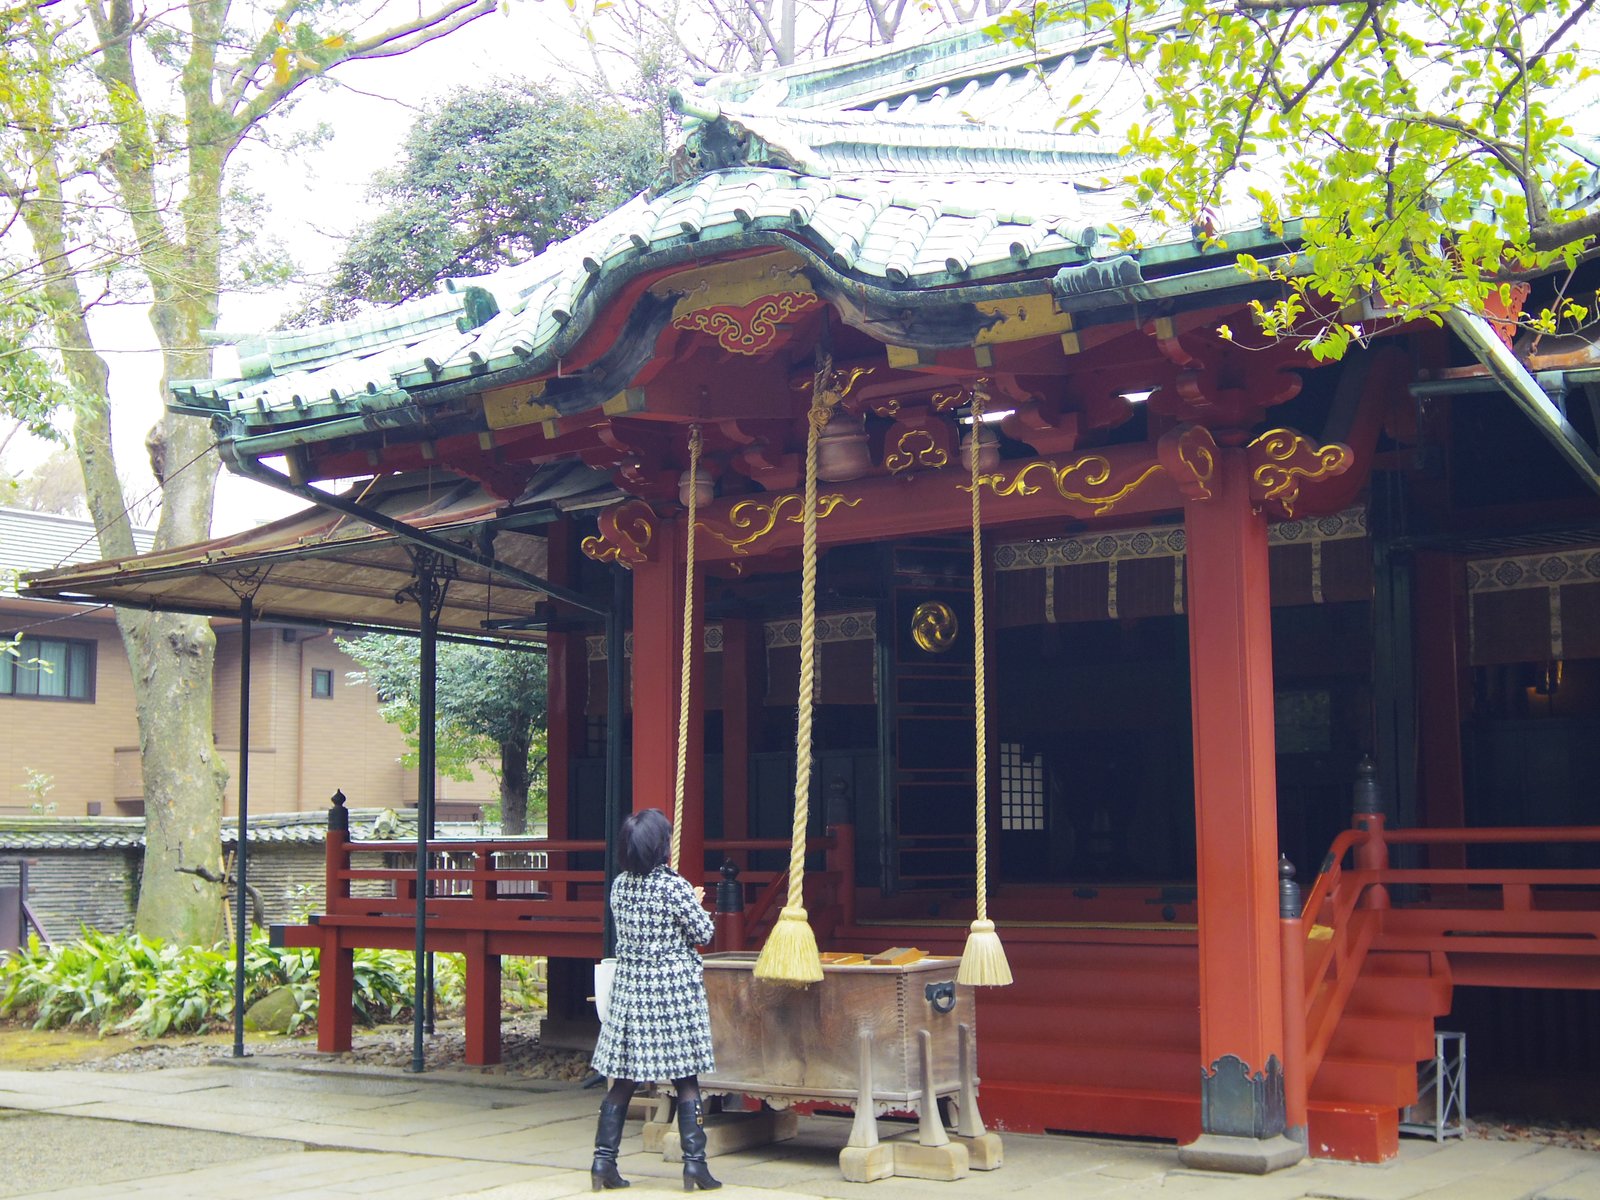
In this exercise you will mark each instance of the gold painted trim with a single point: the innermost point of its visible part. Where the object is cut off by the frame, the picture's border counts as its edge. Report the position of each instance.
(747, 329)
(757, 519)
(1291, 458)
(935, 627)
(1022, 318)
(516, 406)
(1095, 471)
(625, 535)
(916, 448)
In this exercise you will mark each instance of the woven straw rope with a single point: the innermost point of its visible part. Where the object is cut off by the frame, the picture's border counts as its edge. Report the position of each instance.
(980, 720)
(681, 783)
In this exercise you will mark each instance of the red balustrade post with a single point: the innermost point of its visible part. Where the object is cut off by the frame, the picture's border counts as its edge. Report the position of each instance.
(729, 917)
(336, 977)
(337, 855)
(1292, 927)
(1372, 854)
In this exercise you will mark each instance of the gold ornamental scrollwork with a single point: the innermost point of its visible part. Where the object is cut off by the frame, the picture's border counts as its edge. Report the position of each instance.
(1281, 460)
(752, 520)
(830, 386)
(916, 448)
(626, 531)
(1189, 453)
(934, 626)
(1091, 480)
(747, 328)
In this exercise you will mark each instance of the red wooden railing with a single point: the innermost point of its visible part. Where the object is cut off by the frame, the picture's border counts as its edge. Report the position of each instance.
(471, 884)
(1351, 911)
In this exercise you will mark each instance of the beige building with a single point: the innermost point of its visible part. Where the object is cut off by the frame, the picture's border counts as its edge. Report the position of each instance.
(71, 728)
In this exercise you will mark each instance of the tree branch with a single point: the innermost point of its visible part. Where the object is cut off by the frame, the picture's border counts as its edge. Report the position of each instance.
(401, 39)
(1549, 235)
(1355, 31)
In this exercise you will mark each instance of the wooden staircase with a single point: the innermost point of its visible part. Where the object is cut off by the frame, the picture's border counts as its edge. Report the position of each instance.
(1369, 1072)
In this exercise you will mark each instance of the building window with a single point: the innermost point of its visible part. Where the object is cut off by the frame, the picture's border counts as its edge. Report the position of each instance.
(321, 683)
(1021, 789)
(48, 669)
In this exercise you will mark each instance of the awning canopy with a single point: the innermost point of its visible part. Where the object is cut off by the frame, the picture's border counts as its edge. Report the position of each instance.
(324, 567)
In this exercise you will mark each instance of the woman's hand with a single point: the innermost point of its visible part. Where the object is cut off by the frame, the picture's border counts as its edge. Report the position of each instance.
(700, 896)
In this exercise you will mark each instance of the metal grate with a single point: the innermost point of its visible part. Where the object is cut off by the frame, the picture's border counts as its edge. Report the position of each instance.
(1022, 799)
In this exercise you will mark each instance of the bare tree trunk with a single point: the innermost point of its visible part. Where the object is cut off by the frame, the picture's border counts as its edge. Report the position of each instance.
(170, 656)
(515, 778)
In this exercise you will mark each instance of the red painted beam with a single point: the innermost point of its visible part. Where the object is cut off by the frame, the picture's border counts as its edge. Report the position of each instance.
(1119, 481)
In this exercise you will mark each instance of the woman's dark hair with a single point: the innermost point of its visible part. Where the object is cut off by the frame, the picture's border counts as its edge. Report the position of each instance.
(645, 842)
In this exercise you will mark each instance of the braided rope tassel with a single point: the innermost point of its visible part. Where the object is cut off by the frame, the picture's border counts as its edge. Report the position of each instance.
(983, 962)
(681, 785)
(790, 955)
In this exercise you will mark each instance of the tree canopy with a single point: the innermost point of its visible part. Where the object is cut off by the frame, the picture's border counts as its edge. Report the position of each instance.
(490, 176)
(1423, 148)
(490, 707)
(119, 126)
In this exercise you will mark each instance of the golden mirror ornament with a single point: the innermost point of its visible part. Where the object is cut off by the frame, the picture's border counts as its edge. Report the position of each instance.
(934, 626)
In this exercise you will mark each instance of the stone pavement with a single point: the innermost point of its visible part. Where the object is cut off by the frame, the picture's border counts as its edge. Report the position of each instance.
(258, 1129)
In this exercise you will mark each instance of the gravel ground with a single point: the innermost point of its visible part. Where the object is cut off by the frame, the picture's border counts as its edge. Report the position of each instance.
(384, 1047)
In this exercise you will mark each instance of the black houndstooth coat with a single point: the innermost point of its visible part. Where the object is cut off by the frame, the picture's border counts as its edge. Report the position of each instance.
(659, 1026)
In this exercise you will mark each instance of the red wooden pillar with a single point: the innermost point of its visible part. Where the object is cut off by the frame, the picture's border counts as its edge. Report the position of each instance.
(657, 647)
(481, 1004)
(567, 669)
(1444, 683)
(742, 651)
(567, 673)
(336, 991)
(1241, 985)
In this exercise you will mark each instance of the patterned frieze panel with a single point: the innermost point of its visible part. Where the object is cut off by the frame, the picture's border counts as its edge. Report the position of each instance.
(837, 627)
(1164, 541)
(1544, 570)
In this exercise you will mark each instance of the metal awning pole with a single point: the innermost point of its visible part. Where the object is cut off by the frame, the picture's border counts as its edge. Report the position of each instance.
(242, 854)
(615, 648)
(434, 573)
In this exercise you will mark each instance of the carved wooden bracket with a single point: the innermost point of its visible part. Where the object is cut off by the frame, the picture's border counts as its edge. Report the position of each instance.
(637, 458)
(627, 533)
(1281, 459)
(759, 453)
(1189, 453)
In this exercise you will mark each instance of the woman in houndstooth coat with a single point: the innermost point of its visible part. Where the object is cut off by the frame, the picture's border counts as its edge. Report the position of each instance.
(658, 1025)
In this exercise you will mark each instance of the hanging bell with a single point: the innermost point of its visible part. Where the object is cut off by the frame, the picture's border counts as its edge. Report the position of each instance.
(842, 451)
(705, 488)
(988, 447)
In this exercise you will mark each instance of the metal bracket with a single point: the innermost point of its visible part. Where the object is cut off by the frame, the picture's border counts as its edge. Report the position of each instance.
(941, 995)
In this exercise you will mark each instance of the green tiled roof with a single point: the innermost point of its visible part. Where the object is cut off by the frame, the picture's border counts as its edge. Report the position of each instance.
(905, 169)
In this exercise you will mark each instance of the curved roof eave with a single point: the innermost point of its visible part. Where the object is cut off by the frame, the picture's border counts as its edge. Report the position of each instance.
(549, 305)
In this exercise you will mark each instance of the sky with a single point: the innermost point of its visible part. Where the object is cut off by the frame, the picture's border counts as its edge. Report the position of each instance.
(369, 114)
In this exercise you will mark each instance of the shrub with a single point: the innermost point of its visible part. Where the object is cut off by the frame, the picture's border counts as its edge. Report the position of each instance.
(128, 983)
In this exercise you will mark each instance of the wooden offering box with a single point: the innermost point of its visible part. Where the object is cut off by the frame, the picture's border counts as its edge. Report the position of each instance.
(876, 1038)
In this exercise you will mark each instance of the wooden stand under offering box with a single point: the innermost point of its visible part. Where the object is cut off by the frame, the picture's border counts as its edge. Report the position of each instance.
(874, 1037)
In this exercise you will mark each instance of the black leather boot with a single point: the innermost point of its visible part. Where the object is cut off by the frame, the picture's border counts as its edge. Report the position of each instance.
(692, 1132)
(607, 1138)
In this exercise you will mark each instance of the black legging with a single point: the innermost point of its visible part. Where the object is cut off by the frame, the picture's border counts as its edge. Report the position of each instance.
(622, 1090)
